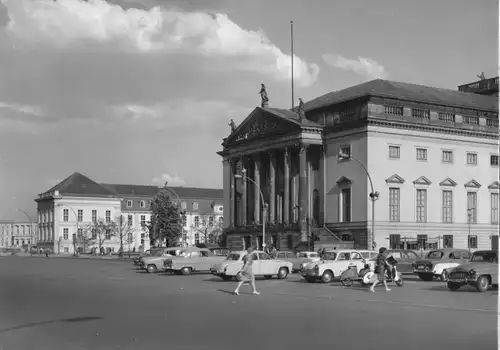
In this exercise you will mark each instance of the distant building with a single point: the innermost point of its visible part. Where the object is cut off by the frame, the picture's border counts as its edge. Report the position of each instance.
(432, 155)
(66, 211)
(17, 234)
(482, 87)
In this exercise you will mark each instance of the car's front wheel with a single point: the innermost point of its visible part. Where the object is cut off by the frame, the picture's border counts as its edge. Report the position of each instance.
(482, 284)
(327, 277)
(151, 268)
(282, 272)
(186, 271)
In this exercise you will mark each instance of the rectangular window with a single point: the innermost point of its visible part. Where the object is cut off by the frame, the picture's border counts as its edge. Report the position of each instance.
(394, 241)
(446, 117)
(196, 221)
(472, 207)
(447, 241)
(65, 215)
(94, 215)
(346, 205)
(394, 204)
(129, 204)
(108, 233)
(422, 241)
(421, 154)
(345, 150)
(494, 160)
(210, 221)
(80, 215)
(393, 110)
(472, 158)
(468, 119)
(184, 220)
(195, 205)
(447, 157)
(221, 220)
(472, 242)
(447, 207)
(421, 205)
(80, 232)
(143, 220)
(394, 152)
(420, 113)
(94, 233)
(129, 221)
(65, 234)
(108, 216)
(494, 208)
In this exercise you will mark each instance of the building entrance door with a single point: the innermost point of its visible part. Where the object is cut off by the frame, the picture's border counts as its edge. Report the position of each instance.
(494, 242)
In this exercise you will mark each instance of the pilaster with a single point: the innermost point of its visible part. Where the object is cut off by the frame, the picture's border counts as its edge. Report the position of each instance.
(272, 186)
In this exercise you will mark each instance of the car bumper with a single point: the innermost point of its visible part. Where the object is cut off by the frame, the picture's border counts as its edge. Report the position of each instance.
(462, 280)
(309, 274)
(424, 273)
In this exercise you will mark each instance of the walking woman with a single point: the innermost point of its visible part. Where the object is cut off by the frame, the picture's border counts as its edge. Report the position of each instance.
(380, 268)
(246, 272)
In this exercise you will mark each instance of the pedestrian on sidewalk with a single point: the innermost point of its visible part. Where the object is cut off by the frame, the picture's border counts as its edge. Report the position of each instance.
(380, 267)
(246, 272)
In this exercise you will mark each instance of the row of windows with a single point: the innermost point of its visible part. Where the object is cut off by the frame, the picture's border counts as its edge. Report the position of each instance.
(446, 206)
(422, 242)
(447, 156)
(420, 113)
(204, 221)
(194, 205)
(80, 215)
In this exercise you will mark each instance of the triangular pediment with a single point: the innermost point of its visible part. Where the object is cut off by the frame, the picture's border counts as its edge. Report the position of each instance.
(422, 180)
(395, 179)
(448, 182)
(262, 123)
(494, 186)
(344, 180)
(472, 184)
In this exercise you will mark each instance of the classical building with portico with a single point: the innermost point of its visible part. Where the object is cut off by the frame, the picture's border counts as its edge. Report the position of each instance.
(431, 155)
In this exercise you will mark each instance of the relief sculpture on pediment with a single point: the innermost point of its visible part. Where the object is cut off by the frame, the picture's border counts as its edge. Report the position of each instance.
(256, 129)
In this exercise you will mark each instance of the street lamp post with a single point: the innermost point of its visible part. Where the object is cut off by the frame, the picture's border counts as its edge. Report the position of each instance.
(76, 220)
(374, 195)
(31, 225)
(264, 206)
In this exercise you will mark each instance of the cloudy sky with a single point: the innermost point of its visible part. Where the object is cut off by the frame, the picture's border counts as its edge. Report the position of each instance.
(141, 91)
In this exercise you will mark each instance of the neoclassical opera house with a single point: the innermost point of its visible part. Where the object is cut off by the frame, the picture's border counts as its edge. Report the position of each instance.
(416, 165)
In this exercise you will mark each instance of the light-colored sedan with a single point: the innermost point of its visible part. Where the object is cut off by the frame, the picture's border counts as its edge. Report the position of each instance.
(332, 264)
(297, 259)
(262, 265)
(190, 260)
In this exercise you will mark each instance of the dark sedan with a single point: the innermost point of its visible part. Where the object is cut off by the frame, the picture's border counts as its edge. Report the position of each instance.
(406, 259)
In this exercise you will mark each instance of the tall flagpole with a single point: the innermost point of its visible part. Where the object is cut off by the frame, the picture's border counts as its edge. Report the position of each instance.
(291, 39)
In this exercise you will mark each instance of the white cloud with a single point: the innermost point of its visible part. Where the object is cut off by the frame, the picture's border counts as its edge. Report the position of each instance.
(25, 109)
(365, 67)
(171, 180)
(71, 22)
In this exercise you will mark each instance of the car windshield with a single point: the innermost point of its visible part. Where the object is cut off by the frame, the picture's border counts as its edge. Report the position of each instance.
(314, 255)
(485, 256)
(302, 255)
(435, 255)
(233, 256)
(329, 256)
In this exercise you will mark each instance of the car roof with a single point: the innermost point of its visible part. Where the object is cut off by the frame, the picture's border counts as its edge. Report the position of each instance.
(449, 250)
(486, 251)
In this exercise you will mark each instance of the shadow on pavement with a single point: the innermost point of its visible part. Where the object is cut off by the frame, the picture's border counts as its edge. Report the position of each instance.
(34, 324)
(444, 288)
(225, 291)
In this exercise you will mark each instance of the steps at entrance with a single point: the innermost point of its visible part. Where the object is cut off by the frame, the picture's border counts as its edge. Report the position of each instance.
(328, 240)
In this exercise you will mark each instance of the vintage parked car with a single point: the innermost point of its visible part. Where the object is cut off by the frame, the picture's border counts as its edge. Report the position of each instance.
(190, 260)
(406, 259)
(331, 265)
(137, 260)
(297, 259)
(481, 272)
(154, 262)
(262, 265)
(438, 263)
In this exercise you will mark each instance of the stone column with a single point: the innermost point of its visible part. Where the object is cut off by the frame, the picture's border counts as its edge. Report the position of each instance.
(286, 194)
(256, 186)
(303, 202)
(272, 186)
(244, 187)
(232, 188)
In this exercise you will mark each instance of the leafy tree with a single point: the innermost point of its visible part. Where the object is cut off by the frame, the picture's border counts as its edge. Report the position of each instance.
(209, 229)
(165, 225)
(124, 232)
(101, 231)
(84, 239)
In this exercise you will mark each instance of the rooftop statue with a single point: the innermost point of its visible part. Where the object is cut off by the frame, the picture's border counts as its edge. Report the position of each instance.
(263, 95)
